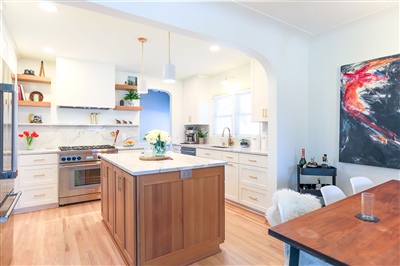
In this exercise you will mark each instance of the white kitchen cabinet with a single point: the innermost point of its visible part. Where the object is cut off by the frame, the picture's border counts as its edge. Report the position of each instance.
(82, 83)
(210, 154)
(38, 181)
(253, 180)
(196, 100)
(231, 176)
(176, 148)
(259, 92)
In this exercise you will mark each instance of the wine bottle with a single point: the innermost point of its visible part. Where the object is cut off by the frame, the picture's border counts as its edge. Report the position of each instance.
(41, 73)
(303, 158)
(318, 186)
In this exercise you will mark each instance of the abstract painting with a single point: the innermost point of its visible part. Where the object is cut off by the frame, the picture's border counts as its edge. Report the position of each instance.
(370, 112)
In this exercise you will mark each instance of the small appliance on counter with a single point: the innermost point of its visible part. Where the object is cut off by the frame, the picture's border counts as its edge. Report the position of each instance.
(191, 133)
(191, 136)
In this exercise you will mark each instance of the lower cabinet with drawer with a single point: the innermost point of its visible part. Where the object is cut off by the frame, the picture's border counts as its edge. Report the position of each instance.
(231, 175)
(246, 177)
(253, 180)
(38, 181)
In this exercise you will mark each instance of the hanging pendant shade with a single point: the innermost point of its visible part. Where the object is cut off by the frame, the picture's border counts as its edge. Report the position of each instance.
(142, 84)
(169, 72)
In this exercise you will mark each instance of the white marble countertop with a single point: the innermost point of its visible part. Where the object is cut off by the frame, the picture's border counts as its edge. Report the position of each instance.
(131, 163)
(228, 148)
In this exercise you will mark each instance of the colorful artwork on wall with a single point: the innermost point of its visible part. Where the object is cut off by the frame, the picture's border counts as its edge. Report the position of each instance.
(370, 112)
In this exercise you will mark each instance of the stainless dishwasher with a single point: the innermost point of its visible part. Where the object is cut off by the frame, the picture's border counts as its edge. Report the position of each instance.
(188, 151)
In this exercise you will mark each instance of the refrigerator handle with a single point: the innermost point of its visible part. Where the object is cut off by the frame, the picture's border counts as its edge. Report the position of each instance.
(4, 218)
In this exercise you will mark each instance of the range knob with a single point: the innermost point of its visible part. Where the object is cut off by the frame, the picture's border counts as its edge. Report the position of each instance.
(79, 158)
(63, 159)
(73, 158)
(68, 158)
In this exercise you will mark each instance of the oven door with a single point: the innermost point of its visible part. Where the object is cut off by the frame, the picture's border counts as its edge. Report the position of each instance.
(78, 179)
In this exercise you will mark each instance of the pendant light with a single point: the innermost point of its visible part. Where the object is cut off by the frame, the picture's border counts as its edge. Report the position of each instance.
(142, 86)
(169, 69)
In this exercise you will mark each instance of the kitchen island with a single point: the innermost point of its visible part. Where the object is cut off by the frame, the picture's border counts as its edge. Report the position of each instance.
(164, 212)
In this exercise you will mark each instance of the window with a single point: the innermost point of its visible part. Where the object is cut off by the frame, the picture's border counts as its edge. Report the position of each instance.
(234, 111)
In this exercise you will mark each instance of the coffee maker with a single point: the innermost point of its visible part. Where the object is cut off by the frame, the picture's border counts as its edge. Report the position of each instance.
(191, 136)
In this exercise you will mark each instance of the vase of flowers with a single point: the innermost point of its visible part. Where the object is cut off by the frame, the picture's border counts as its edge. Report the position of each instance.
(158, 140)
(29, 136)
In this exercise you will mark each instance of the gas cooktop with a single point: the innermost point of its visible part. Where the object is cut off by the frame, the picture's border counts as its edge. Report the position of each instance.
(86, 148)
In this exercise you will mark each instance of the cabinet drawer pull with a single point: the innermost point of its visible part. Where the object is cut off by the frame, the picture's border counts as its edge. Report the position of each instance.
(229, 164)
(229, 157)
(253, 198)
(39, 195)
(39, 175)
(253, 177)
(252, 161)
(38, 160)
(207, 153)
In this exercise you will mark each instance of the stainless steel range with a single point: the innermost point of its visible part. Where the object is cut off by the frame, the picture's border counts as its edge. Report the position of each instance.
(79, 172)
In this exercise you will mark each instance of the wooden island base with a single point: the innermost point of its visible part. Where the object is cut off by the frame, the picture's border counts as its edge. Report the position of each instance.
(161, 219)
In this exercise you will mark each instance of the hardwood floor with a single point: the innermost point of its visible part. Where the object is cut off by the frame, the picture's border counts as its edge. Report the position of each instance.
(76, 235)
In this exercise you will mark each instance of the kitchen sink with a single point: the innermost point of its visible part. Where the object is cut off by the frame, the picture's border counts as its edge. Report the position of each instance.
(222, 147)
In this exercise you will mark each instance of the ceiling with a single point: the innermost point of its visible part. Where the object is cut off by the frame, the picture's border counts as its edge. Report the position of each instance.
(79, 33)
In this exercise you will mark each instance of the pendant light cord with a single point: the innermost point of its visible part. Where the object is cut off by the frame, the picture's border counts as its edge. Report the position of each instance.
(142, 59)
(169, 47)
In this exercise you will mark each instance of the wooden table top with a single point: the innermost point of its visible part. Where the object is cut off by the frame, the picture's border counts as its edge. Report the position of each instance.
(335, 235)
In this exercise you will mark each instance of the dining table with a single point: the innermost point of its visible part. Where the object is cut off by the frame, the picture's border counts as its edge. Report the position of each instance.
(335, 235)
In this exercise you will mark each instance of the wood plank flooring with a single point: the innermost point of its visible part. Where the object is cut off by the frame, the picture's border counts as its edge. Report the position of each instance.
(76, 235)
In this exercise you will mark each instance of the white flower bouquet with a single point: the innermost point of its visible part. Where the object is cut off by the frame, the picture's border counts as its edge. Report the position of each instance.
(158, 139)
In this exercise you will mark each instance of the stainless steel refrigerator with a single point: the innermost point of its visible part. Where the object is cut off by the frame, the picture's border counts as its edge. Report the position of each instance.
(8, 162)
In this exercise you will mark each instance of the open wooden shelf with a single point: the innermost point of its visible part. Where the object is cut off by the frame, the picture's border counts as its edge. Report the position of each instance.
(128, 108)
(35, 104)
(31, 78)
(125, 87)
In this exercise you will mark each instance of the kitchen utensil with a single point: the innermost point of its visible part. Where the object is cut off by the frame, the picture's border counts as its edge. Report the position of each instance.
(116, 136)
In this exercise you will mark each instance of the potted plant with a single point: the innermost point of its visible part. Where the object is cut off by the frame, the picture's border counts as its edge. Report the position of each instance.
(244, 143)
(202, 136)
(132, 97)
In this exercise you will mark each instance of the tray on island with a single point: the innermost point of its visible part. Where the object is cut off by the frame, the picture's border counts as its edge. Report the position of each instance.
(155, 158)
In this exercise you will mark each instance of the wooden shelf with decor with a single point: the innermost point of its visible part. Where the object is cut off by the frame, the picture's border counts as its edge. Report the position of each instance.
(128, 108)
(31, 78)
(34, 104)
(125, 87)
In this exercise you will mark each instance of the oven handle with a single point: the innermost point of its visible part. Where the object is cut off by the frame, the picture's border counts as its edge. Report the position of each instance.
(4, 218)
(73, 165)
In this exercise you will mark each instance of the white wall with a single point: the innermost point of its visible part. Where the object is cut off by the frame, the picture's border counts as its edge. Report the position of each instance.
(368, 38)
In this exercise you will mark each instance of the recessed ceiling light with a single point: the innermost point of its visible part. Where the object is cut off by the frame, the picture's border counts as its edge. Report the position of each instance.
(48, 50)
(48, 6)
(214, 48)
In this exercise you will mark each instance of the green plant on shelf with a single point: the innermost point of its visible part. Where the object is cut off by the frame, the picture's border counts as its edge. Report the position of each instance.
(132, 95)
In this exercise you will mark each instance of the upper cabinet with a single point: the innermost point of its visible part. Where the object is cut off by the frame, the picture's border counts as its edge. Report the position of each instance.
(260, 92)
(85, 84)
(196, 103)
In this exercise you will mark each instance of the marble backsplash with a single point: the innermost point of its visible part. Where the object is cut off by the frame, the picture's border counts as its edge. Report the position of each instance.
(51, 137)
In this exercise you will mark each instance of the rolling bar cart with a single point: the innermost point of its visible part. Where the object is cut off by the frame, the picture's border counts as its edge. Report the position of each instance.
(317, 171)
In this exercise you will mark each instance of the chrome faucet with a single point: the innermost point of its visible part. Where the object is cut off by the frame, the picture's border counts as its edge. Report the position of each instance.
(230, 141)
